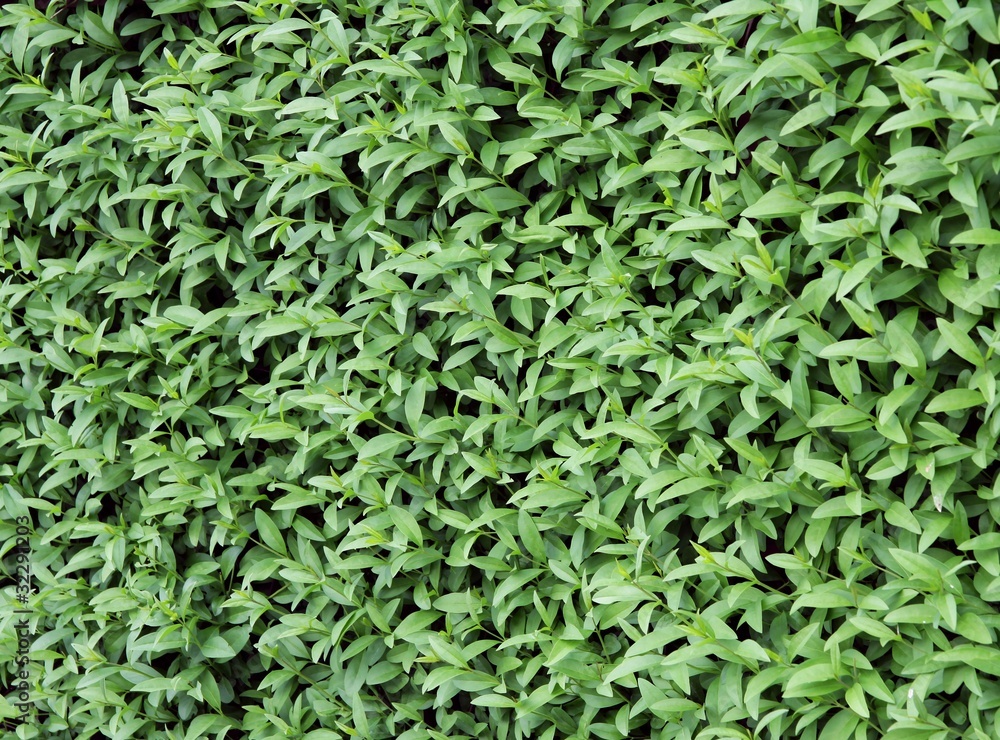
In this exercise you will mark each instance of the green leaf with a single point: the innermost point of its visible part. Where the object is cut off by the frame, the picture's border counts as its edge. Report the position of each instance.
(875, 7)
(904, 245)
(119, 102)
(977, 237)
(838, 415)
(809, 115)
(447, 651)
(811, 42)
(855, 697)
(985, 542)
(775, 203)
(493, 700)
(972, 627)
(216, 648)
(516, 73)
(913, 614)
(900, 516)
(955, 399)
(984, 659)
(211, 127)
(269, 533)
(406, 523)
(959, 342)
(975, 148)
(380, 445)
(811, 679)
(137, 401)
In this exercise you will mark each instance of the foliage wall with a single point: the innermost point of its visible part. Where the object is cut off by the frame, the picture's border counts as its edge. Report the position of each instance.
(504, 370)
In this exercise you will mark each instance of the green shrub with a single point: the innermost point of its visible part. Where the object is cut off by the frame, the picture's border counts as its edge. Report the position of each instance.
(462, 370)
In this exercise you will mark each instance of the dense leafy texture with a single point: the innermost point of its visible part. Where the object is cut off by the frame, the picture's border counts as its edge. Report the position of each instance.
(434, 369)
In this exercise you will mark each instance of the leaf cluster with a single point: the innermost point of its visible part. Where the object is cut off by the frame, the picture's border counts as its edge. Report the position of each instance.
(451, 369)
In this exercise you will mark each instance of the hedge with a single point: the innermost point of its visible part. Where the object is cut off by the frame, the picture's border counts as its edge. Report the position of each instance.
(436, 369)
